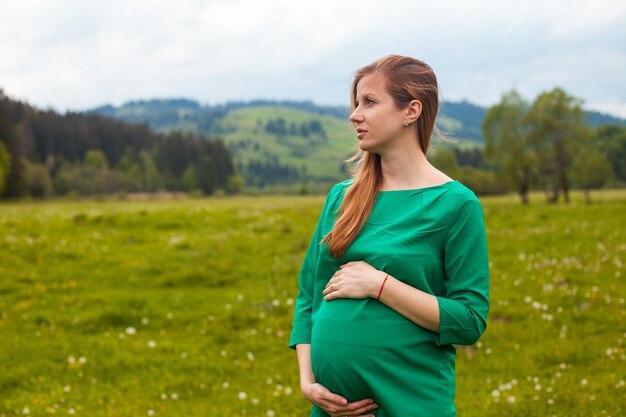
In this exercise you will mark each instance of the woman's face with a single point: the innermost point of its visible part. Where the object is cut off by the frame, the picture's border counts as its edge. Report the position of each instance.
(376, 118)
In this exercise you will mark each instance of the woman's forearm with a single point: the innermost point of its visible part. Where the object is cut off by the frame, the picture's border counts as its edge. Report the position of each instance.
(304, 363)
(418, 306)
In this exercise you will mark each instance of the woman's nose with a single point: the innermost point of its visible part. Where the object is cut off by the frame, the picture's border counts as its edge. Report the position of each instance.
(356, 116)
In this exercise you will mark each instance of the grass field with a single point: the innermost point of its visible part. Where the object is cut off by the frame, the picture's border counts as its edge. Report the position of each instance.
(184, 308)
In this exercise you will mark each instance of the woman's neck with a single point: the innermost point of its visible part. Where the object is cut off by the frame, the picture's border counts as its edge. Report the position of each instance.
(407, 169)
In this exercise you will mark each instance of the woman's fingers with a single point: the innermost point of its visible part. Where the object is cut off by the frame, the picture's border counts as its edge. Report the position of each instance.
(356, 408)
(366, 406)
(333, 399)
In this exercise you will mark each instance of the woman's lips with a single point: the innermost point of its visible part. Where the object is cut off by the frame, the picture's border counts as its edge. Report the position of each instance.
(360, 133)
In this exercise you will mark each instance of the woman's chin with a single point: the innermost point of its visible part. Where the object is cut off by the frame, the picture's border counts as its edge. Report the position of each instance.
(364, 146)
(367, 147)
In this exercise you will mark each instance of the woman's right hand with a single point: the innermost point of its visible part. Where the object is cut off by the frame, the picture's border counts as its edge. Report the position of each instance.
(336, 405)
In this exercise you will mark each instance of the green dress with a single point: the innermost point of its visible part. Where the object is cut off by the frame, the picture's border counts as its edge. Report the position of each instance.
(431, 238)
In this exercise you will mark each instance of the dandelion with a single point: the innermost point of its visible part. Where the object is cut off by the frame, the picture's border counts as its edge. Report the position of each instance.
(270, 413)
(250, 356)
(563, 365)
(269, 381)
(26, 410)
(242, 395)
(583, 382)
(488, 351)
(71, 359)
(289, 301)
(144, 320)
(131, 331)
(550, 401)
(537, 387)
(495, 393)
(67, 388)
(275, 302)
(239, 297)
(71, 411)
(151, 344)
(288, 390)
(511, 399)
(225, 384)
(255, 401)
(82, 360)
(163, 396)
(223, 353)
(174, 396)
(150, 412)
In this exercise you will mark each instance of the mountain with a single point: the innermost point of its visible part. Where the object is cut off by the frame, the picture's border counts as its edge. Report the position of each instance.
(294, 141)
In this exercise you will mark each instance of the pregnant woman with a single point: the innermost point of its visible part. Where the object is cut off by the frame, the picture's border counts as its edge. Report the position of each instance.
(397, 272)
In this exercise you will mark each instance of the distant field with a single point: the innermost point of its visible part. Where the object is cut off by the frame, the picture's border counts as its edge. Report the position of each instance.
(184, 307)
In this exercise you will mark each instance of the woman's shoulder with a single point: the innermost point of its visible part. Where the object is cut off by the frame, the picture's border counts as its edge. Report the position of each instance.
(461, 193)
(455, 198)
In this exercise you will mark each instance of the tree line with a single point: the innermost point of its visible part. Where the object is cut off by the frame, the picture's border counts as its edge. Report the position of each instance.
(549, 145)
(43, 153)
(279, 127)
(546, 145)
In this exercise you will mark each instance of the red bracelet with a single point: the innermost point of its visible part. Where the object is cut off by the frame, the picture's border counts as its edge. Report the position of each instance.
(381, 287)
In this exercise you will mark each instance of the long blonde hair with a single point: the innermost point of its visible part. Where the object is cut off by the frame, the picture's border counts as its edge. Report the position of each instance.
(407, 79)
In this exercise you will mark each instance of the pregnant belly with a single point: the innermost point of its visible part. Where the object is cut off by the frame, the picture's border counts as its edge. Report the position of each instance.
(357, 344)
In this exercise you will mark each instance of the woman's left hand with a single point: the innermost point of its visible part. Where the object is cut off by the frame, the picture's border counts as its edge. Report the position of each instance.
(354, 280)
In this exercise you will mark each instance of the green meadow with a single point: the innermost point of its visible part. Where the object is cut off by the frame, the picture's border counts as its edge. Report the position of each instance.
(184, 308)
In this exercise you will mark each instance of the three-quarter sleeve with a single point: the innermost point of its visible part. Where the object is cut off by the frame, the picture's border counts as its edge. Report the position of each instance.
(301, 331)
(463, 310)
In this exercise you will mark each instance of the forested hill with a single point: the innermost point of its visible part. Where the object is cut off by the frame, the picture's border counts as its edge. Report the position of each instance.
(43, 153)
(461, 119)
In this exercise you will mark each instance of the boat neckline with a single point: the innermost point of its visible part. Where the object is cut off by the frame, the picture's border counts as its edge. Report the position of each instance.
(419, 189)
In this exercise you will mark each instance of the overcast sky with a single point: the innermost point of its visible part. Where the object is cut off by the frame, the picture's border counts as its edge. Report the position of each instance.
(75, 55)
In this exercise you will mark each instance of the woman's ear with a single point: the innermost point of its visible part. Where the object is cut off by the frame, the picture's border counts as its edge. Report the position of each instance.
(413, 111)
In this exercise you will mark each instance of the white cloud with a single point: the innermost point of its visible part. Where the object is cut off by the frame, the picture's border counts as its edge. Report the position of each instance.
(75, 54)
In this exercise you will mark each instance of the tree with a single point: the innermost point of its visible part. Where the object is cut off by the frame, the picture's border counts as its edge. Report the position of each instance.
(445, 160)
(612, 142)
(234, 184)
(5, 164)
(38, 180)
(189, 179)
(506, 142)
(556, 126)
(96, 159)
(592, 169)
(149, 169)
